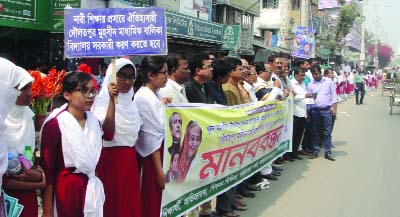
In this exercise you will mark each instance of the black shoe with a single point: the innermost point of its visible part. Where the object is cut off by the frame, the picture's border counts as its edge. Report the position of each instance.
(288, 158)
(208, 215)
(275, 173)
(357, 103)
(313, 156)
(279, 162)
(275, 168)
(270, 177)
(302, 152)
(307, 150)
(329, 157)
(296, 156)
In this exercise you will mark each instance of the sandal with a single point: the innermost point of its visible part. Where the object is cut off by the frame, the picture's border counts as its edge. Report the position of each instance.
(239, 202)
(240, 207)
(263, 185)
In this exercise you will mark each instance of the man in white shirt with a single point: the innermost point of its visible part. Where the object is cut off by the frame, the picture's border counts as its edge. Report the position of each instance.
(277, 67)
(250, 77)
(263, 87)
(299, 109)
(267, 90)
(179, 72)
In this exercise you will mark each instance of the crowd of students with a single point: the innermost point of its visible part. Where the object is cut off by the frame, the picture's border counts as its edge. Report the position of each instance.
(102, 150)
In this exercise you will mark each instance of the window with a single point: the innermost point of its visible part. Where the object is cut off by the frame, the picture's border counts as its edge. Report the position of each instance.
(295, 4)
(270, 3)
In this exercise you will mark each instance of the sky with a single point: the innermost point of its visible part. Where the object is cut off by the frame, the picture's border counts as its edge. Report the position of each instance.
(383, 19)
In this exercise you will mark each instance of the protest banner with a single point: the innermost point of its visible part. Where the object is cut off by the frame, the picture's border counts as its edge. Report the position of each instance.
(210, 148)
(114, 32)
(303, 43)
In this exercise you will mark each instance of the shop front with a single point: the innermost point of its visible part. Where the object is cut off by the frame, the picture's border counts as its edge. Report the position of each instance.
(190, 36)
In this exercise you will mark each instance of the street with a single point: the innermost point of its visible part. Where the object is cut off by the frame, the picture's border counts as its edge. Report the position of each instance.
(364, 180)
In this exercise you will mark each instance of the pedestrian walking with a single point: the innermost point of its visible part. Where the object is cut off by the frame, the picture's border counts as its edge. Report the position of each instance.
(359, 87)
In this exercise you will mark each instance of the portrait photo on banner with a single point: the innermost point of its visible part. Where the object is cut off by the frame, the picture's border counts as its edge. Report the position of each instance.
(182, 151)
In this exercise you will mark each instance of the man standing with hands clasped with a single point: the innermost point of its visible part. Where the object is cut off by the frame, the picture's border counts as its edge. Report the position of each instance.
(322, 110)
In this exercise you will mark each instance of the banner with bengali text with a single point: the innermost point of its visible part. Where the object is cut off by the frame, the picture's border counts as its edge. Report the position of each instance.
(114, 32)
(211, 148)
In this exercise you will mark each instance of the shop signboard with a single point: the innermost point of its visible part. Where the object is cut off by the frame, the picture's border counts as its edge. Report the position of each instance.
(187, 27)
(231, 37)
(18, 9)
(115, 32)
(57, 13)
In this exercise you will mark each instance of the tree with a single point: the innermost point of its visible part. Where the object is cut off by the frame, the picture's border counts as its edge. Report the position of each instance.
(340, 27)
(384, 52)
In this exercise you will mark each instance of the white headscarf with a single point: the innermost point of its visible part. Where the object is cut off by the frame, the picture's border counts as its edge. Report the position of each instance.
(127, 119)
(20, 130)
(10, 77)
(81, 149)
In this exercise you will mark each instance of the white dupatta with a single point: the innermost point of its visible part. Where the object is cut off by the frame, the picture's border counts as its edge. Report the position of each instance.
(19, 123)
(127, 118)
(10, 77)
(81, 149)
(152, 111)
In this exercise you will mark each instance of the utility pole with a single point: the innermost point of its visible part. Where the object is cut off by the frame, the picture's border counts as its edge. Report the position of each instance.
(362, 52)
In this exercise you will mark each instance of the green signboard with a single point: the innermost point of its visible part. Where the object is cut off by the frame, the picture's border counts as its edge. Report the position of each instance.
(231, 37)
(57, 13)
(192, 28)
(18, 9)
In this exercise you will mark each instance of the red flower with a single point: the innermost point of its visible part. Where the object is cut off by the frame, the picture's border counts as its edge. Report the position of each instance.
(44, 88)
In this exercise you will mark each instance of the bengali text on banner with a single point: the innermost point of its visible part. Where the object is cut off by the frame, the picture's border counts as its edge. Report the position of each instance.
(209, 148)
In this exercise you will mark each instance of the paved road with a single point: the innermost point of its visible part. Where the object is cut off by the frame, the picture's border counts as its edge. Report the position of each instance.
(363, 182)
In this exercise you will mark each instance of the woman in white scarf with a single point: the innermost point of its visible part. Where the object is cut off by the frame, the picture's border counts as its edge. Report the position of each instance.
(151, 135)
(10, 80)
(20, 132)
(122, 186)
(71, 140)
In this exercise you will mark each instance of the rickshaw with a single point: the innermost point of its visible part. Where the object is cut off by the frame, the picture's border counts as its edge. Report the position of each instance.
(389, 80)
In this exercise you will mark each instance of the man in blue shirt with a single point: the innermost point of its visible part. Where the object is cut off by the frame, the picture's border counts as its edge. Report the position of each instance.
(321, 111)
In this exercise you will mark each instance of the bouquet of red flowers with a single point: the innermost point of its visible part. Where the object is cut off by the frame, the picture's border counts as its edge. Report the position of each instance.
(44, 88)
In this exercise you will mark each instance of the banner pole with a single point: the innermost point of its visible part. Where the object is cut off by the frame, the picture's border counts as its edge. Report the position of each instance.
(114, 75)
